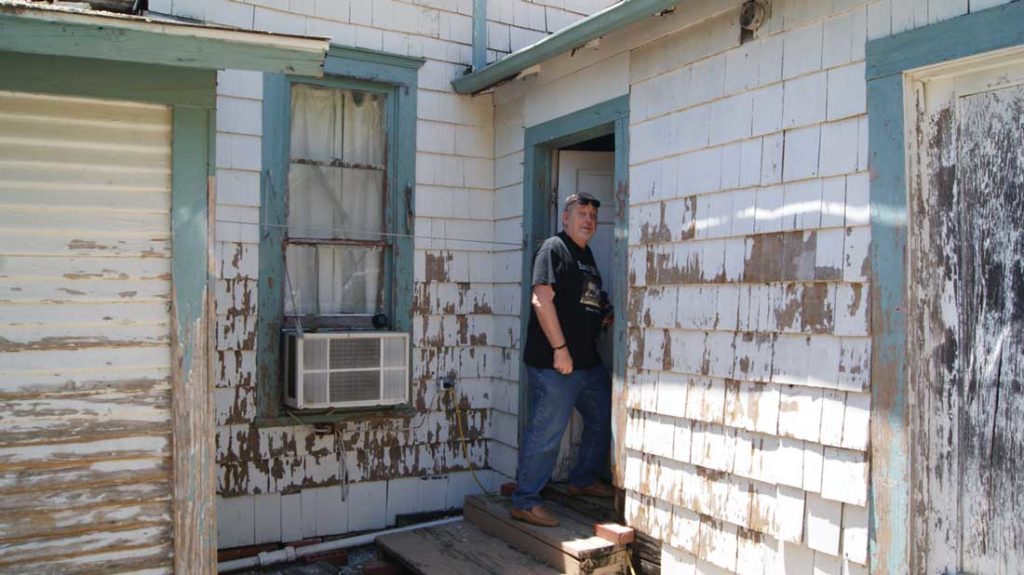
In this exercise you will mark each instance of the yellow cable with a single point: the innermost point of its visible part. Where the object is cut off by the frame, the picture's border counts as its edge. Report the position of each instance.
(462, 436)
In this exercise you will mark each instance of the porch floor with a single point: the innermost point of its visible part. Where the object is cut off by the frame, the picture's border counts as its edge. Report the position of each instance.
(458, 549)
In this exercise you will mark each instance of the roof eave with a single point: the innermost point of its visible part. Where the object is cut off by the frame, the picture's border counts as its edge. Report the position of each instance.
(573, 36)
(36, 30)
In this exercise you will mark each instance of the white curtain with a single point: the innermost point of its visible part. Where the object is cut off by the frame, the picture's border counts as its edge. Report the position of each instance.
(336, 190)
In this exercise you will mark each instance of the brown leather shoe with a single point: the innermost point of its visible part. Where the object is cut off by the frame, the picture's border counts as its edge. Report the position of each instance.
(535, 515)
(597, 489)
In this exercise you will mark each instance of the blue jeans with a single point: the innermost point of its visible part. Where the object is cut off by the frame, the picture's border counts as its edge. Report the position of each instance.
(552, 398)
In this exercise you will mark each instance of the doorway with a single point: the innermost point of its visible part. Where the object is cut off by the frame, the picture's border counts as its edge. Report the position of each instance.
(584, 151)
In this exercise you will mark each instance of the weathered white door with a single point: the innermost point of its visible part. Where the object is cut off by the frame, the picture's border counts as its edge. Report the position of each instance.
(85, 346)
(966, 322)
(594, 173)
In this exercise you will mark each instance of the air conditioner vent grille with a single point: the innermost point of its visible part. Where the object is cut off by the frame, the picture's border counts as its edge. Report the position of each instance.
(314, 353)
(314, 387)
(394, 353)
(354, 386)
(351, 369)
(355, 353)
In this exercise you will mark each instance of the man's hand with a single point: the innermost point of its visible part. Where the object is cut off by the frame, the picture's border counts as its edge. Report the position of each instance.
(608, 319)
(563, 361)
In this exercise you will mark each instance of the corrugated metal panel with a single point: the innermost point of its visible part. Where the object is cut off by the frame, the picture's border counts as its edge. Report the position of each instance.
(85, 269)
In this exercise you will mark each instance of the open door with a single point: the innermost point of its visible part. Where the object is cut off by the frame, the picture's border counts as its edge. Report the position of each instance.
(593, 172)
(587, 150)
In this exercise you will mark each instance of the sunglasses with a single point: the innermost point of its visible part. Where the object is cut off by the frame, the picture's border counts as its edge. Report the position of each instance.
(587, 202)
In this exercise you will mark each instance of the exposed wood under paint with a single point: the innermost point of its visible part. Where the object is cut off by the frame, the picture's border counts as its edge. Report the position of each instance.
(84, 467)
(965, 243)
(194, 468)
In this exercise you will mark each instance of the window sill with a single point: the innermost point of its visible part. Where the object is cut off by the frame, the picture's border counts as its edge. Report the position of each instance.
(285, 419)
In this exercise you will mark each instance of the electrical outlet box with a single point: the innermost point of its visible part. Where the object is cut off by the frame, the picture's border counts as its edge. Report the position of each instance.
(445, 382)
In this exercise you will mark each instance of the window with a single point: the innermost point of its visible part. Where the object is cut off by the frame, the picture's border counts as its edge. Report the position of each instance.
(337, 242)
(336, 237)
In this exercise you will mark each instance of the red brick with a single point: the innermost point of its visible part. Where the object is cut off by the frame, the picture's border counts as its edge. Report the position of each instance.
(617, 534)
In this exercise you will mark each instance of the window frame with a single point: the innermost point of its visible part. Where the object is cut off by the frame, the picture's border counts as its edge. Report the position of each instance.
(345, 68)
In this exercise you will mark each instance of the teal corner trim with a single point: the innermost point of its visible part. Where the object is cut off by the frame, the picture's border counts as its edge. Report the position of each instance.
(889, 506)
(887, 61)
(610, 117)
(189, 221)
(189, 46)
(192, 284)
(345, 67)
(273, 217)
(572, 36)
(479, 34)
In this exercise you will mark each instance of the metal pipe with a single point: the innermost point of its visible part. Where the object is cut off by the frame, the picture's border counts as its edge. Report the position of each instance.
(291, 553)
(479, 34)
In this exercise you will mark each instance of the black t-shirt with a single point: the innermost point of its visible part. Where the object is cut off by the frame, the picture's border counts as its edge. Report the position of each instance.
(572, 273)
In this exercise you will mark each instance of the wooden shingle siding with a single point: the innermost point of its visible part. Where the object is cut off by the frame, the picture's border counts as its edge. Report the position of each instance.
(85, 473)
(746, 444)
(748, 284)
(461, 322)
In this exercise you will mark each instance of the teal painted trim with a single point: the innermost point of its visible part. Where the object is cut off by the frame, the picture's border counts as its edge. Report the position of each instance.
(192, 150)
(572, 36)
(371, 66)
(992, 29)
(121, 40)
(89, 78)
(353, 54)
(540, 141)
(273, 217)
(347, 68)
(889, 505)
(620, 261)
(887, 60)
(579, 126)
(402, 202)
(189, 222)
(479, 34)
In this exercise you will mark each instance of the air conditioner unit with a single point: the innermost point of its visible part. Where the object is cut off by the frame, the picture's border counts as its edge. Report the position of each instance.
(355, 369)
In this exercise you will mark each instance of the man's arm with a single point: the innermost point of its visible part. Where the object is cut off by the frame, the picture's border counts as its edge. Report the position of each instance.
(544, 304)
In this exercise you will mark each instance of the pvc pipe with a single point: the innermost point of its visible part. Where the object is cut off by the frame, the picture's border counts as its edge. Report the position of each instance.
(291, 554)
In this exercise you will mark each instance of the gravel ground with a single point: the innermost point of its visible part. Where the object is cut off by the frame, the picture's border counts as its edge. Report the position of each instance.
(356, 557)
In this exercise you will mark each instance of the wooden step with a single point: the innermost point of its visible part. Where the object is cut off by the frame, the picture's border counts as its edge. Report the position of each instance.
(600, 509)
(459, 548)
(570, 548)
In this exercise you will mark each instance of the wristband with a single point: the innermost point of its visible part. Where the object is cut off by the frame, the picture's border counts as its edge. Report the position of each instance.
(560, 347)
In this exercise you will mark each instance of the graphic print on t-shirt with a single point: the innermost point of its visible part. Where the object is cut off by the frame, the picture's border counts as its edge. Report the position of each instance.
(590, 295)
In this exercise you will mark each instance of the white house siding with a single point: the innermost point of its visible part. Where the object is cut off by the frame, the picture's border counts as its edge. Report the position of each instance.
(563, 85)
(282, 484)
(745, 447)
(85, 344)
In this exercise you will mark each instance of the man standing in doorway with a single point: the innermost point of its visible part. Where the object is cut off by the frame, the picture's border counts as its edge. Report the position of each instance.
(563, 369)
